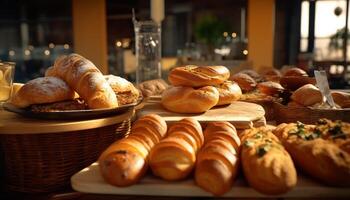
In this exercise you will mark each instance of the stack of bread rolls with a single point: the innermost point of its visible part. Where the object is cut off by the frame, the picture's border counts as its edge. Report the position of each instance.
(320, 150)
(217, 161)
(175, 156)
(197, 89)
(125, 162)
(71, 77)
(267, 166)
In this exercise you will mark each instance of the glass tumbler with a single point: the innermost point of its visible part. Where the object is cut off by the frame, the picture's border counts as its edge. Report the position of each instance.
(7, 71)
(148, 50)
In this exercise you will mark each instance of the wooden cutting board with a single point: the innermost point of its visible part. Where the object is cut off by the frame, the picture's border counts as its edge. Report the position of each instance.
(89, 180)
(241, 114)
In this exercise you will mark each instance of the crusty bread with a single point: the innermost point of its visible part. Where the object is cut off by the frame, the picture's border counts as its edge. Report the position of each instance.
(217, 162)
(245, 82)
(267, 166)
(42, 90)
(153, 87)
(125, 91)
(307, 95)
(175, 156)
(125, 162)
(270, 88)
(15, 88)
(341, 98)
(319, 150)
(195, 76)
(228, 92)
(295, 72)
(182, 99)
(85, 78)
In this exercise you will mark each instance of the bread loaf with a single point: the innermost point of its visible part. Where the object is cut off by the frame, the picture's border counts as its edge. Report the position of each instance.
(217, 162)
(195, 76)
(175, 156)
(245, 82)
(228, 92)
(267, 166)
(125, 91)
(153, 87)
(126, 161)
(320, 150)
(42, 90)
(182, 99)
(270, 88)
(341, 98)
(85, 78)
(307, 95)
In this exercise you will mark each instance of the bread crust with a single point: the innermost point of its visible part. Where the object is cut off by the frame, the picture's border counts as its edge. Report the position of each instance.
(182, 99)
(228, 92)
(245, 82)
(125, 161)
(270, 88)
(267, 166)
(198, 76)
(86, 79)
(42, 90)
(319, 150)
(124, 90)
(307, 95)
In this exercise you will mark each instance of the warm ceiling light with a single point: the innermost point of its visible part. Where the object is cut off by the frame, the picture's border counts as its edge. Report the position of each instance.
(118, 43)
(66, 46)
(47, 52)
(26, 52)
(51, 45)
(12, 53)
(234, 35)
(245, 52)
(225, 34)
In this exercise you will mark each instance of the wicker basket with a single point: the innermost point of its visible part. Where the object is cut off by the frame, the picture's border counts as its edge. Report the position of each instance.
(36, 163)
(307, 115)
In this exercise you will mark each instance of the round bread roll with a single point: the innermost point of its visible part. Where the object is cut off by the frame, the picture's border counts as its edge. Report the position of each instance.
(228, 92)
(307, 95)
(125, 91)
(189, 100)
(42, 90)
(270, 88)
(342, 99)
(295, 72)
(153, 87)
(252, 74)
(272, 75)
(245, 82)
(195, 76)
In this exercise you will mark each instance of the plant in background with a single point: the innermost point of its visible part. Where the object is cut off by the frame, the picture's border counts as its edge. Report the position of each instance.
(336, 40)
(209, 30)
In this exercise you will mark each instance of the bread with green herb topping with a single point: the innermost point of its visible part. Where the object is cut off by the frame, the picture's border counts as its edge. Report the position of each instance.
(267, 166)
(320, 150)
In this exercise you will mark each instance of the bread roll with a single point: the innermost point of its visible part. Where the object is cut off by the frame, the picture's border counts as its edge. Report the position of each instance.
(342, 99)
(182, 99)
(125, 162)
(252, 74)
(175, 156)
(125, 91)
(217, 162)
(295, 72)
(195, 76)
(272, 75)
(84, 77)
(307, 95)
(42, 90)
(228, 92)
(267, 166)
(270, 88)
(245, 82)
(153, 87)
(15, 88)
(318, 149)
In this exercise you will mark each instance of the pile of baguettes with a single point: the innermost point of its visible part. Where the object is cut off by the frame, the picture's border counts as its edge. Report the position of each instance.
(215, 152)
(197, 89)
(74, 83)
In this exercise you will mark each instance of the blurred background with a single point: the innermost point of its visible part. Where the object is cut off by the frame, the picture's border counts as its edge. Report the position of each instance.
(240, 34)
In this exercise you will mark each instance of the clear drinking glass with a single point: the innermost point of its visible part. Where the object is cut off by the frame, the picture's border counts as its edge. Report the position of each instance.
(148, 50)
(7, 71)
